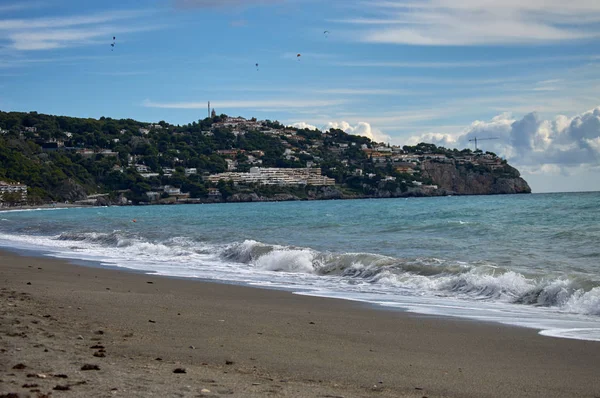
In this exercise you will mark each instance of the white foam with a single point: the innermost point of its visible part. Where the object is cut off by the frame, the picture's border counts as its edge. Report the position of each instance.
(461, 290)
(287, 260)
(584, 302)
(589, 334)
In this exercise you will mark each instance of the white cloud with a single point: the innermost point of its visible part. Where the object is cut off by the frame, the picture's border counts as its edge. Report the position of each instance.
(478, 22)
(440, 139)
(557, 154)
(67, 31)
(21, 6)
(530, 140)
(304, 125)
(361, 91)
(221, 3)
(360, 128)
(68, 21)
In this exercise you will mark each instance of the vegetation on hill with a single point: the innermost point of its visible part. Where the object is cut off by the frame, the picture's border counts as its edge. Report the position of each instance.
(65, 158)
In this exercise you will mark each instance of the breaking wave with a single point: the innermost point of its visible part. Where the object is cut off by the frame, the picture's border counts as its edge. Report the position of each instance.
(434, 276)
(431, 277)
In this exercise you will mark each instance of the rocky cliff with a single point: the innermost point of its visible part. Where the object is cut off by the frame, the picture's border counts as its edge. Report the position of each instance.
(474, 180)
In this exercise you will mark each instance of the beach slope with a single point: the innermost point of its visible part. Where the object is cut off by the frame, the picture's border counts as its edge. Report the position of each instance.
(56, 318)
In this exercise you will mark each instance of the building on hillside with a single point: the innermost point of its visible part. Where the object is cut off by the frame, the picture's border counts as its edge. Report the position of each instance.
(109, 153)
(214, 193)
(86, 152)
(171, 190)
(153, 195)
(276, 176)
(142, 168)
(229, 152)
(231, 164)
(17, 190)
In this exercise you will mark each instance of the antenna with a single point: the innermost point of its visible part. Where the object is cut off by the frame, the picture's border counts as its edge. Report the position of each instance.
(481, 139)
(208, 108)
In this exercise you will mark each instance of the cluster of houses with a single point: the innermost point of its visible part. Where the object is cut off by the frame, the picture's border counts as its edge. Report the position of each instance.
(17, 190)
(408, 163)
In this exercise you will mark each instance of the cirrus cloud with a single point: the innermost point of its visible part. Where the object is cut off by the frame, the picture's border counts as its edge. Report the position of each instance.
(475, 22)
(221, 3)
(245, 104)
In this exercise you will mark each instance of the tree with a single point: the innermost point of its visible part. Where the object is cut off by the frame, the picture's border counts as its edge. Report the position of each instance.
(12, 198)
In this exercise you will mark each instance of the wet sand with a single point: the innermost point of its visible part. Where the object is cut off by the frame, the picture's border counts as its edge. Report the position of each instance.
(236, 341)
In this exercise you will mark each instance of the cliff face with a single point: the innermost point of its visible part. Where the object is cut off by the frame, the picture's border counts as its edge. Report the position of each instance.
(464, 180)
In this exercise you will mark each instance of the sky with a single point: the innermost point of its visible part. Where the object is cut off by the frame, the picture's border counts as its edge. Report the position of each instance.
(522, 77)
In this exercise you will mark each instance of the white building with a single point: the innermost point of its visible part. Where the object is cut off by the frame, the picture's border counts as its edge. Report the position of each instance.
(6, 187)
(231, 164)
(276, 176)
(153, 196)
(172, 190)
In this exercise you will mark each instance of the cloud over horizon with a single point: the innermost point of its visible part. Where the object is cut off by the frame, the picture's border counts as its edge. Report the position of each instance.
(533, 142)
(361, 128)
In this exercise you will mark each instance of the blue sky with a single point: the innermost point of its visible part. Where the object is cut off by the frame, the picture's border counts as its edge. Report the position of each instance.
(441, 71)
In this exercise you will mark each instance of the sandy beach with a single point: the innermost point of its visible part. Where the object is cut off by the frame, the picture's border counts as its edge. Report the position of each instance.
(135, 330)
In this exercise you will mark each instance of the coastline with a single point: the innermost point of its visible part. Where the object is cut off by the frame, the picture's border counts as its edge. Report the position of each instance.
(47, 206)
(255, 342)
(43, 207)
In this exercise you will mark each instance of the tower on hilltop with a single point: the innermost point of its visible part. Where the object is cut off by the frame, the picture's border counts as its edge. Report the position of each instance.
(213, 113)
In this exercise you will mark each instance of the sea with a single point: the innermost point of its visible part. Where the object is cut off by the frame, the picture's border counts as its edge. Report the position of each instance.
(525, 260)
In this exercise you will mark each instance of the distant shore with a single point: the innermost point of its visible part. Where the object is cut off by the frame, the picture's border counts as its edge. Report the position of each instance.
(212, 201)
(247, 342)
(42, 206)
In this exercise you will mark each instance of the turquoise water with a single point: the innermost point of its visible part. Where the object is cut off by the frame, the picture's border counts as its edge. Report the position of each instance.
(529, 260)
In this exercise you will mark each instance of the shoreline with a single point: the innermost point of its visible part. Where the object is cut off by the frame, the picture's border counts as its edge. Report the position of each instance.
(539, 327)
(43, 207)
(251, 342)
(411, 195)
(209, 202)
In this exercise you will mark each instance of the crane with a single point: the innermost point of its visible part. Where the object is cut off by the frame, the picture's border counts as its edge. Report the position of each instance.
(481, 139)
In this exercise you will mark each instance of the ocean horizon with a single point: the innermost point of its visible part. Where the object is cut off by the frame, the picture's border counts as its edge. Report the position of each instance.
(523, 260)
